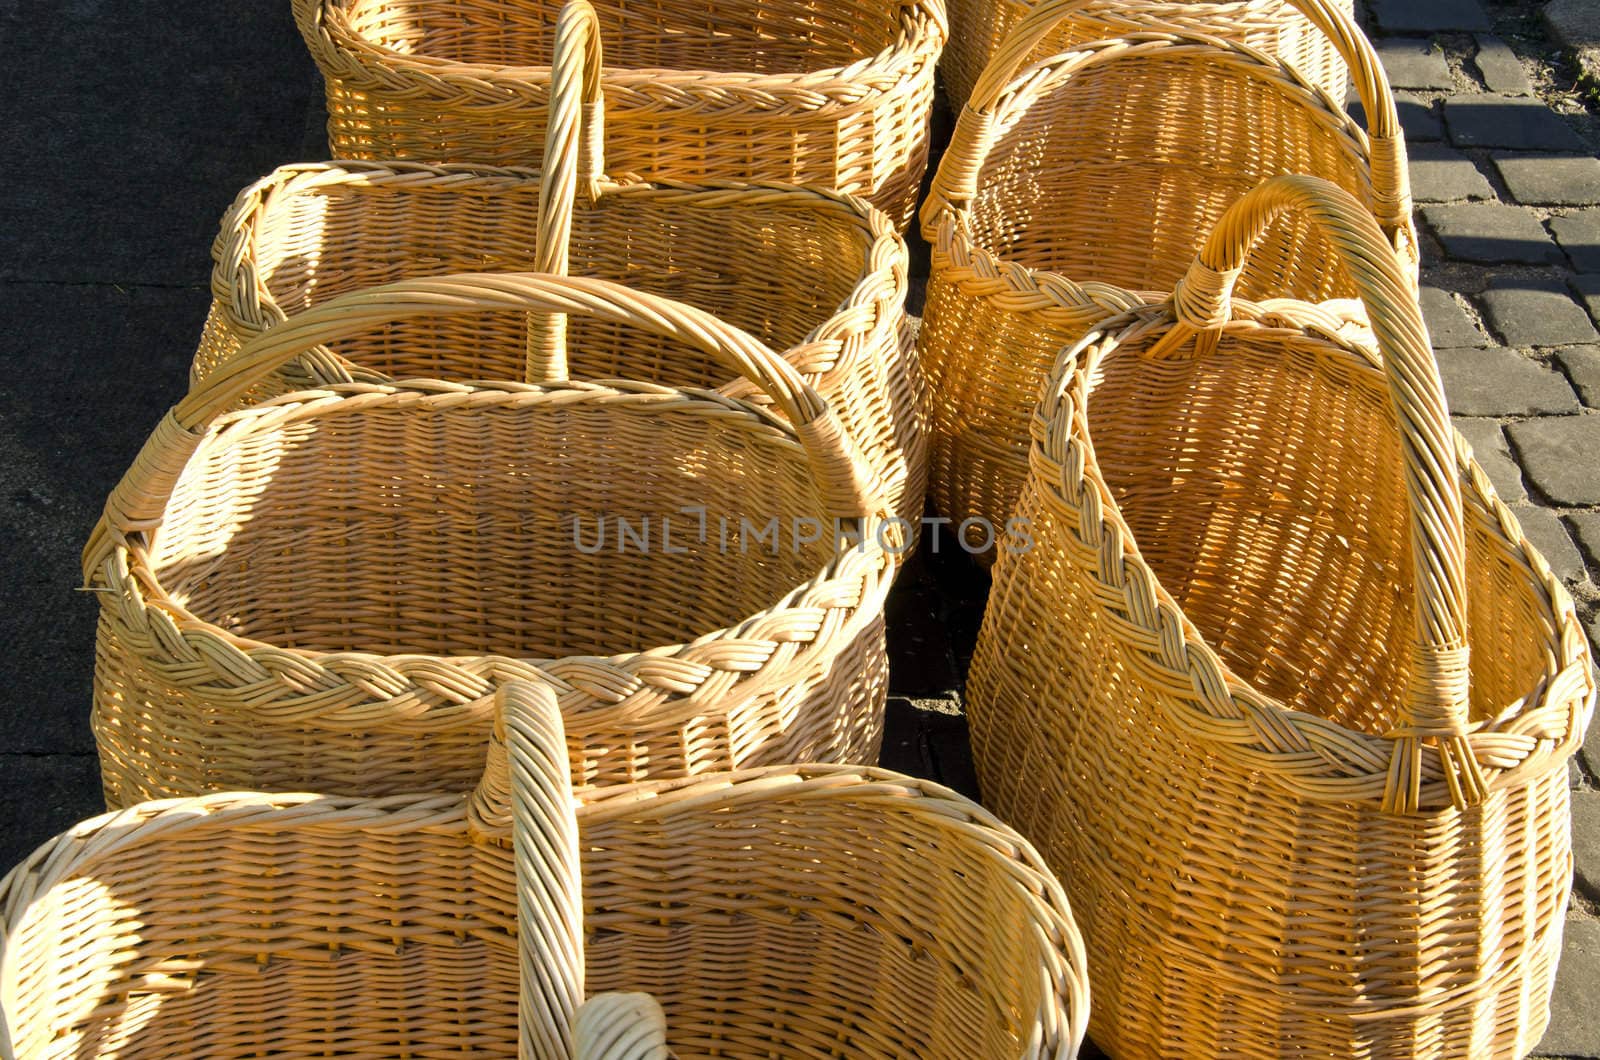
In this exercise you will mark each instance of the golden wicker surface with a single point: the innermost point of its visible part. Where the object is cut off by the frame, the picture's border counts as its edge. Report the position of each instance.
(1070, 183)
(815, 274)
(802, 910)
(833, 95)
(1273, 27)
(320, 593)
(1282, 692)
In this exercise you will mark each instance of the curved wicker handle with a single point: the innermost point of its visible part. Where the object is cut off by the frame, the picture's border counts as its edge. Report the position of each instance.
(1436, 707)
(621, 1027)
(845, 480)
(525, 799)
(957, 180)
(574, 150)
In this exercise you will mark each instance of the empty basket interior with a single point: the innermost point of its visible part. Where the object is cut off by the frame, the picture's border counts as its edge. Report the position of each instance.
(1116, 172)
(571, 527)
(777, 271)
(1263, 486)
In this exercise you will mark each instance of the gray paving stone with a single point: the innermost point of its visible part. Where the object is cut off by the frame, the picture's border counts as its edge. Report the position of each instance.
(1502, 382)
(1443, 174)
(1583, 368)
(1535, 312)
(1449, 327)
(1414, 62)
(1490, 450)
(1430, 16)
(1557, 454)
(1578, 234)
(1574, 23)
(1419, 118)
(1550, 536)
(1492, 233)
(1553, 180)
(1588, 287)
(1586, 842)
(1502, 121)
(1501, 69)
(1574, 1018)
(43, 796)
(1586, 528)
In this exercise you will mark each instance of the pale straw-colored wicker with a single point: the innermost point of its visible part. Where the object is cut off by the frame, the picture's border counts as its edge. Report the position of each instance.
(817, 274)
(1229, 692)
(826, 93)
(320, 593)
(788, 911)
(1075, 181)
(1273, 27)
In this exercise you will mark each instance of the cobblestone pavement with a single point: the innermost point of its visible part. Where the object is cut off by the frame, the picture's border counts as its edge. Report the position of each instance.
(132, 124)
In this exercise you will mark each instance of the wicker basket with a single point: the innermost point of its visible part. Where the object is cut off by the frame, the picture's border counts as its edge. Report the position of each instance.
(1229, 691)
(793, 911)
(1097, 173)
(830, 94)
(321, 593)
(814, 273)
(1273, 27)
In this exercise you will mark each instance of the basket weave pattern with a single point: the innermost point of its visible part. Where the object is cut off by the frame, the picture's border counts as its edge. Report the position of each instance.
(927, 927)
(321, 593)
(1272, 27)
(1212, 693)
(1074, 182)
(825, 95)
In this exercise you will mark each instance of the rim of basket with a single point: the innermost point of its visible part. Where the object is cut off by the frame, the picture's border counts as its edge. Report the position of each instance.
(1564, 637)
(1018, 863)
(920, 33)
(236, 265)
(1044, 76)
(856, 564)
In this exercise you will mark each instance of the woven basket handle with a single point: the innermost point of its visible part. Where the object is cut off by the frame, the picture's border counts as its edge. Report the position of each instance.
(847, 486)
(957, 180)
(574, 150)
(1437, 694)
(525, 801)
(621, 1027)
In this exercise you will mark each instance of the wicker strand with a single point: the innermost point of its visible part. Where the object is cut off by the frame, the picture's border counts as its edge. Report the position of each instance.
(621, 1026)
(573, 153)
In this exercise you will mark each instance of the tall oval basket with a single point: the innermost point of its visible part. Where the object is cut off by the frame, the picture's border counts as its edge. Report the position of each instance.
(793, 910)
(1282, 691)
(321, 592)
(819, 275)
(830, 94)
(1072, 182)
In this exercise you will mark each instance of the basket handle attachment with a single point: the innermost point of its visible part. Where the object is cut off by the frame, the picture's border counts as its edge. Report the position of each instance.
(524, 800)
(847, 486)
(621, 1026)
(1438, 688)
(574, 153)
(956, 182)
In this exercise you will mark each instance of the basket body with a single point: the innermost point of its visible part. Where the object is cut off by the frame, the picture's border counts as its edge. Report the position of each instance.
(807, 272)
(327, 925)
(1221, 540)
(1098, 182)
(1272, 27)
(342, 578)
(834, 95)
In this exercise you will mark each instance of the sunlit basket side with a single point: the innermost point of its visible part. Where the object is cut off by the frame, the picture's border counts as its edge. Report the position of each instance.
(321, 592)
(819, 275)
(828, 93)
(1272, 27)
(816, 910)
(1282, 691)
(1072, 182)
